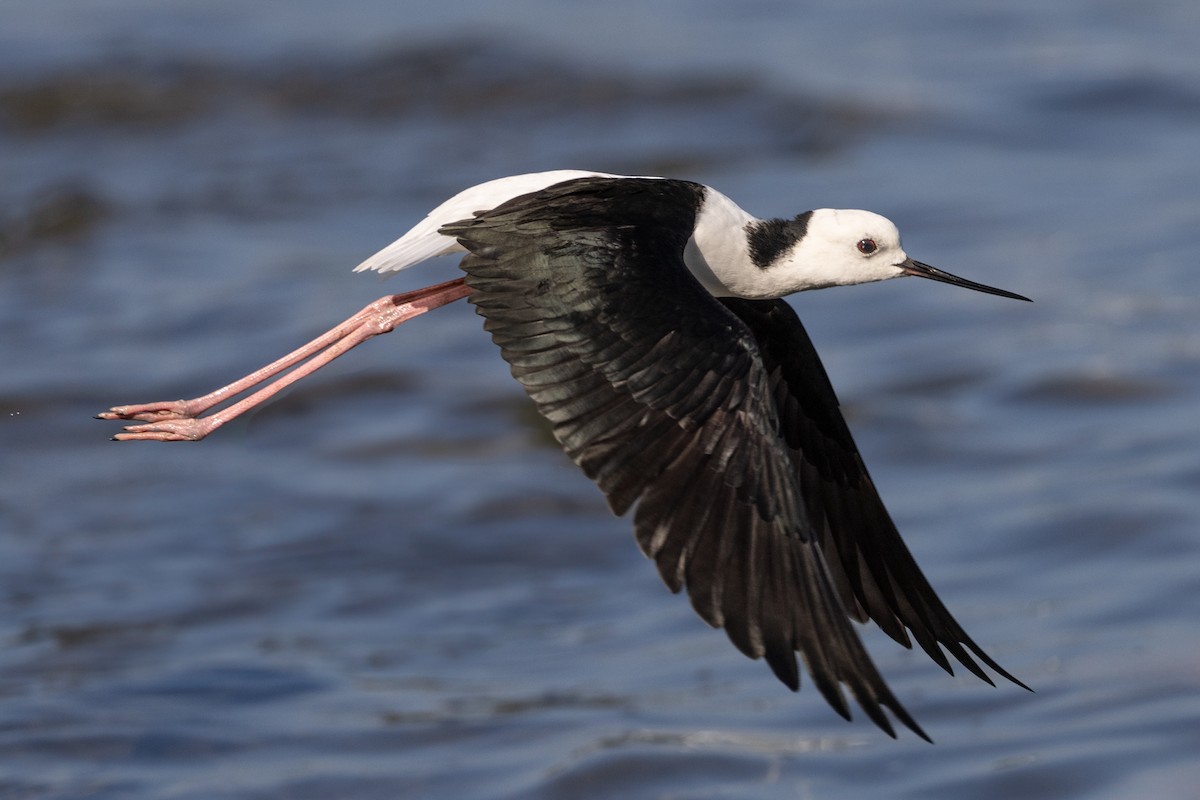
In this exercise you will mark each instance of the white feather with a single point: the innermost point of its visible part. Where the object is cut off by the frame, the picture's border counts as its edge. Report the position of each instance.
(717, 252)
(424, 242)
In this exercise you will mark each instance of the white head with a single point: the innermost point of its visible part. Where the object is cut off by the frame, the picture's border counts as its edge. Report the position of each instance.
(840, 247)
(832, 247)
(733, 254)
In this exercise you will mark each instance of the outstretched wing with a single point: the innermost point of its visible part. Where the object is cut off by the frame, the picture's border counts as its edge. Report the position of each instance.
(871, 565)
(662, 396)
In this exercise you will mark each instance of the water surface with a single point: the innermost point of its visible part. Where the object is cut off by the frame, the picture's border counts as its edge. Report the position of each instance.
(390, 583)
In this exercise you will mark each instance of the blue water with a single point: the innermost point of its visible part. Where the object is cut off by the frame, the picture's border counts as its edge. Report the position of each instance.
(390, 584)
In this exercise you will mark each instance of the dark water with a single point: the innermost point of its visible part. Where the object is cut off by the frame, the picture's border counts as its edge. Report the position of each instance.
(389, 584)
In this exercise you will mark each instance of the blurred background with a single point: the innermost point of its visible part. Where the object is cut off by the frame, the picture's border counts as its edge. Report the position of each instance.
(390, 583)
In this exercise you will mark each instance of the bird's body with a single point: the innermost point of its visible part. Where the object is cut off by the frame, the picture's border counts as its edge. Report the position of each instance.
(729, 251)
(642, 316)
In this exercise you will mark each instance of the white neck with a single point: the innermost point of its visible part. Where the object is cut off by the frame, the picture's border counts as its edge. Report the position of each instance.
(718, 253)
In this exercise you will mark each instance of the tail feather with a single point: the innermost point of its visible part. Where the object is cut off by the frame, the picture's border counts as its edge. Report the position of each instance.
(424, 242)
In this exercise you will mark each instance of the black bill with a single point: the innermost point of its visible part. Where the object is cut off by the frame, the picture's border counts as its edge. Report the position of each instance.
(911, 267)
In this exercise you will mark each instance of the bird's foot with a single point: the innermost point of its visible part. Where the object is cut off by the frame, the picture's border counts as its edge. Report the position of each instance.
(151, 412)
(171, 421)
(169, 430)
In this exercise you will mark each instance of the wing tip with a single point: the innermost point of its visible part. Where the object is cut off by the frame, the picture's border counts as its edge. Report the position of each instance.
(991, 663)
(874, 710)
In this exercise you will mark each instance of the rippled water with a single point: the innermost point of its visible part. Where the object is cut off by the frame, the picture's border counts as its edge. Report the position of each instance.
(389, 583)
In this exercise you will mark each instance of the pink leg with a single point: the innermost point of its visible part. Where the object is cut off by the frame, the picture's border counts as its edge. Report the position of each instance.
(180, 420)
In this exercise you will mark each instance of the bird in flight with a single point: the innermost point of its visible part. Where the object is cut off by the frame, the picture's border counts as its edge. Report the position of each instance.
(644, 318)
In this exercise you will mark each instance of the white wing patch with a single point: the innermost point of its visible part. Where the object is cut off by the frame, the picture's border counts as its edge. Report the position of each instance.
(424, 242)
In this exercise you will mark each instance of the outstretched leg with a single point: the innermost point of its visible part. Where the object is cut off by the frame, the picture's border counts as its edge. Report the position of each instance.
(181, 420)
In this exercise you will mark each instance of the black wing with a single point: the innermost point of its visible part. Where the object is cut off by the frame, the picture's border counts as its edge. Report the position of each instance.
(663, 397)
(873, 568)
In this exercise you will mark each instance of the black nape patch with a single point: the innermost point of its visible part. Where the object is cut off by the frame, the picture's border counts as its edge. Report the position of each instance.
(769, 239)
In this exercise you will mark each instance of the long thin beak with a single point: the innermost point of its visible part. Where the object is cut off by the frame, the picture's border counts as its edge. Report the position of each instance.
(911, 267)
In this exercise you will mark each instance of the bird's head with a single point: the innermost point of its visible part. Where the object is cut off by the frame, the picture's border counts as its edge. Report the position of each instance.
(842, 247)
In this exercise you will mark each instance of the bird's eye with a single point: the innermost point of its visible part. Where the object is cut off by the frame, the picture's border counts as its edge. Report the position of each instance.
(867, 246)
